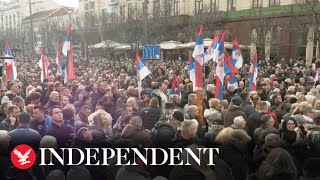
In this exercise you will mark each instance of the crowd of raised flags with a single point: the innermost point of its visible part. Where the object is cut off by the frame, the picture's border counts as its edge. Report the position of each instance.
(43, 63)
(216, 52)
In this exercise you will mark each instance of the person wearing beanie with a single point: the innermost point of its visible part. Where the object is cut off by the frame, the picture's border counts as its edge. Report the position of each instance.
(31, 137)
(233, 111)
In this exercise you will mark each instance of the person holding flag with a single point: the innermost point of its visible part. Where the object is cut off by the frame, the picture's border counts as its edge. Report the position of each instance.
(9, 64)
(43, 64)
(198, 55)
(67, 51)
(254, 72)
(142, 71)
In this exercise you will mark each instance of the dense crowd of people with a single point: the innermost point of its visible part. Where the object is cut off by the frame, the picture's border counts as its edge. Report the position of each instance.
(268, 134)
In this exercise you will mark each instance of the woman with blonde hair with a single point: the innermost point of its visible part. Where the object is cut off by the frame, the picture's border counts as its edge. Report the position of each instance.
(101, 126)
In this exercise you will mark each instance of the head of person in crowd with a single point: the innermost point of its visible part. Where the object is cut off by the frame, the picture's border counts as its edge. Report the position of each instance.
(211, 88)
(14, 88)
(83, 132)
(24, 119)
(86, 99)
(189, 129)
(224, 104)
(38, 113)
(64, 101)
(14, 111)
(267, 121)
(239, 123)
(192, 112)
(132, 91)
(262, 107)
(56, 115)
(126, 109)
(33, 98)
(122, 94)
(19, 101)
(168, 109)
(133, 103)
(4, 140)
(54, 97)
(176, 99)
(307, 111)
(276, 98)
(176, 119)
(192, 99)
(106, 99)
(65, 92)
(103, 121)
(56, 175)
(4, 108)
(103, 87)
(79, 173)
(276, 160)
(271, 141)
(236, 101)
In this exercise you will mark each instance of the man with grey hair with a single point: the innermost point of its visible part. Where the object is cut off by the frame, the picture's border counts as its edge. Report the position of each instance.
(54, 100)
(188, 132)
(239, 123)
(307, 111)
(191, 101)
(266, 122)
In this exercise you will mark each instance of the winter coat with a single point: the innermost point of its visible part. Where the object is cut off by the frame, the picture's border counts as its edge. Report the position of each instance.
(30, 137)
(230, 113)
(80, 118)
(235, 159)
(6, 125)
(213, 116)
(136, 134)
(253, 122)
(162, 135)
(45, 129)
(150, 116)
(247, 108)
(64, 134)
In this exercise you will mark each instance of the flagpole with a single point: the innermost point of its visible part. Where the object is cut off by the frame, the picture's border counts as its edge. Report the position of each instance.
(204, 71)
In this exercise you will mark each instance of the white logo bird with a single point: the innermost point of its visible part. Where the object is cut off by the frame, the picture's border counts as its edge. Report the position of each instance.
(22, 158)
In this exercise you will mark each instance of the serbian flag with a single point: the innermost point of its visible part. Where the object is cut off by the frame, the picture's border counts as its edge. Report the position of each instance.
(142, 70)
(254, 72)
(212, 51)
(192, 71)
(228, 67)
(220, 68)
(11, 69)
(237, 59)
(198, 55)
(67, 51)
(43, 64)
(58, 58)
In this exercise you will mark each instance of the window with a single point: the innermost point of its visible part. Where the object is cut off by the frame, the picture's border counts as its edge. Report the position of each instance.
(176, 7)
(198, 6)
(91, 6)
(156, 8)
(86, 6)
(231, 5)
(122, 12)
(256, 3)
(274, 2)
(213, 5)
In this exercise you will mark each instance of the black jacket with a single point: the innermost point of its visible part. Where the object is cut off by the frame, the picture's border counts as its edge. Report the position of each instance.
(150, 116)
(254, 122)
(24, 135)
(6, 125)
(162, 135)
(236, 160)
(5, 162)
(247, 108)
(64, 134)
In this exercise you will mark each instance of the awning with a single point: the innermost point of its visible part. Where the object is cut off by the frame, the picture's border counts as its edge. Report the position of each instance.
(170, 45)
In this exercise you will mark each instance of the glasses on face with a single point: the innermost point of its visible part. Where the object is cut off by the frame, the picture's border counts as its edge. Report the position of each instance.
(291, 124)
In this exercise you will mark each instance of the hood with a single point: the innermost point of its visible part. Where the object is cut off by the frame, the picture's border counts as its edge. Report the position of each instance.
(130, 131)
(161, 124)
(234, 108)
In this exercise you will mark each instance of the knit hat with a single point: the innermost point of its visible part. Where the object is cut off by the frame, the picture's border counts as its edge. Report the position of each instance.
(236, 101)
(178, 116)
